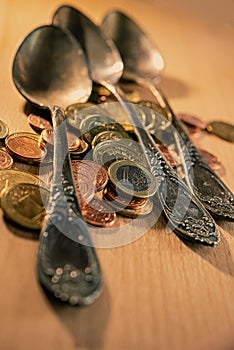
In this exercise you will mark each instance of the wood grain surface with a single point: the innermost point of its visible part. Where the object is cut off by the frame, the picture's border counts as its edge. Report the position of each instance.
(160, 293)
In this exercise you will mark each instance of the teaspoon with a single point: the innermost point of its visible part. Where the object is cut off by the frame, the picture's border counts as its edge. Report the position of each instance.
(143, 64)
(185, 213)
(49, 70)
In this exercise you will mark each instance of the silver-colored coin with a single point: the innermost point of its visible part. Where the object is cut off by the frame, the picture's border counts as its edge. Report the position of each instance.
(110, 151)
(132, 179)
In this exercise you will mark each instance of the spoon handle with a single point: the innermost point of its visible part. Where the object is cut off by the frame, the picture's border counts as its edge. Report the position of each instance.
(185, 213)
(67, 263)
(206, 184)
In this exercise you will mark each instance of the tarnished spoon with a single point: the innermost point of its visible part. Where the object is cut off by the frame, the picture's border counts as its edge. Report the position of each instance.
(50, 70)
(143, 64)
(185, 214)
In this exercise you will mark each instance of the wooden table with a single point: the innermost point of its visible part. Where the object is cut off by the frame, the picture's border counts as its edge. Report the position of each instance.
(159, 292)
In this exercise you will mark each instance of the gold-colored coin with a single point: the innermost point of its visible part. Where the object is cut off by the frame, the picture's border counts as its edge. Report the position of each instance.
(76, 112)
(3, 130)
(24, 204)
(132, 179)
(11, 177)
(222, 129)
(95, 124)
(109, 135)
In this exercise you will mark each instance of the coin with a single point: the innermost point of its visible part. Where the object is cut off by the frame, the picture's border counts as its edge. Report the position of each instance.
(73, 140)
(3, 130)
(222, 129)
(109, 151)
(192, 121)
(132, 212)
(23, 203)
(109, 135)
(95, 172)
(167, 155)
(122, 200)
(85, 190)
(80, 150)
(132, 179)
(39, 123)
(26, 147)
(94, 124)
(76, 112)
(11, 177)
(99, 213)
(5, 160)
(211, 159)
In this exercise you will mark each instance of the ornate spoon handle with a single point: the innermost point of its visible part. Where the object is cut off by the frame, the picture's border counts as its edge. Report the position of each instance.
(184, 212)
(67, 263)
(207, 185)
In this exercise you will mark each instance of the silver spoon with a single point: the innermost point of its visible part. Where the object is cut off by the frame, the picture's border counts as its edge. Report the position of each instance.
(49, 69)
(185, 214)
(143, 64)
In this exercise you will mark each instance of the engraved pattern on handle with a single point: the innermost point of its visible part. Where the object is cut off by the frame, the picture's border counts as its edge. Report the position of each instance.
(191, 220)
(67, 263)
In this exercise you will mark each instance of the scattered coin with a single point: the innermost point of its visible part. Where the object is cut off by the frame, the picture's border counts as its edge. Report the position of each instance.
(132, 179)
(95, 124)
(73, 140)
(75, 113)
(221, 129)
(99, 213)
(95, 172)
(121, 200)
(39, 123)
(26, 147)
(109, 135)
(24, 203)
(80, 150)
(192, 121)
(133, 213)
(6, 160)
(167, 155)
(109, 151)
(84, 189)
(211, 159)
(11, 177)
(3, 130)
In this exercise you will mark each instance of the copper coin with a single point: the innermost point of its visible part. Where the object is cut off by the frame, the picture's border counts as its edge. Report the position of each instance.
(192, 120)
(120, 199)
(211, 159)
(26, 147)
(99, 213)
(5, 160)
(73, 140)
(39, 123)
(167, 155)
(83, 147)
(97, 174)
(85, 190)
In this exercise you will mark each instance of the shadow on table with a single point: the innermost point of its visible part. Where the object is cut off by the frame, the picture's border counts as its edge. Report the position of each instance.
(220, 257)
(86, 324)
(173, 87)
(21, 231)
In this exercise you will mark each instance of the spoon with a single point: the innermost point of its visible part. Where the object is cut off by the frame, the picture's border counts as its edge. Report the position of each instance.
(143, 64)
(49, 69)
(185, 214)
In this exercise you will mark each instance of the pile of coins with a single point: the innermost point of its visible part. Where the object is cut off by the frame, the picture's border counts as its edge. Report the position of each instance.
(109, 168)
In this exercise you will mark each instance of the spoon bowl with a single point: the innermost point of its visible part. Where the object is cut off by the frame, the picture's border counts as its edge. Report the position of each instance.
(50, 70)
(140, 56)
